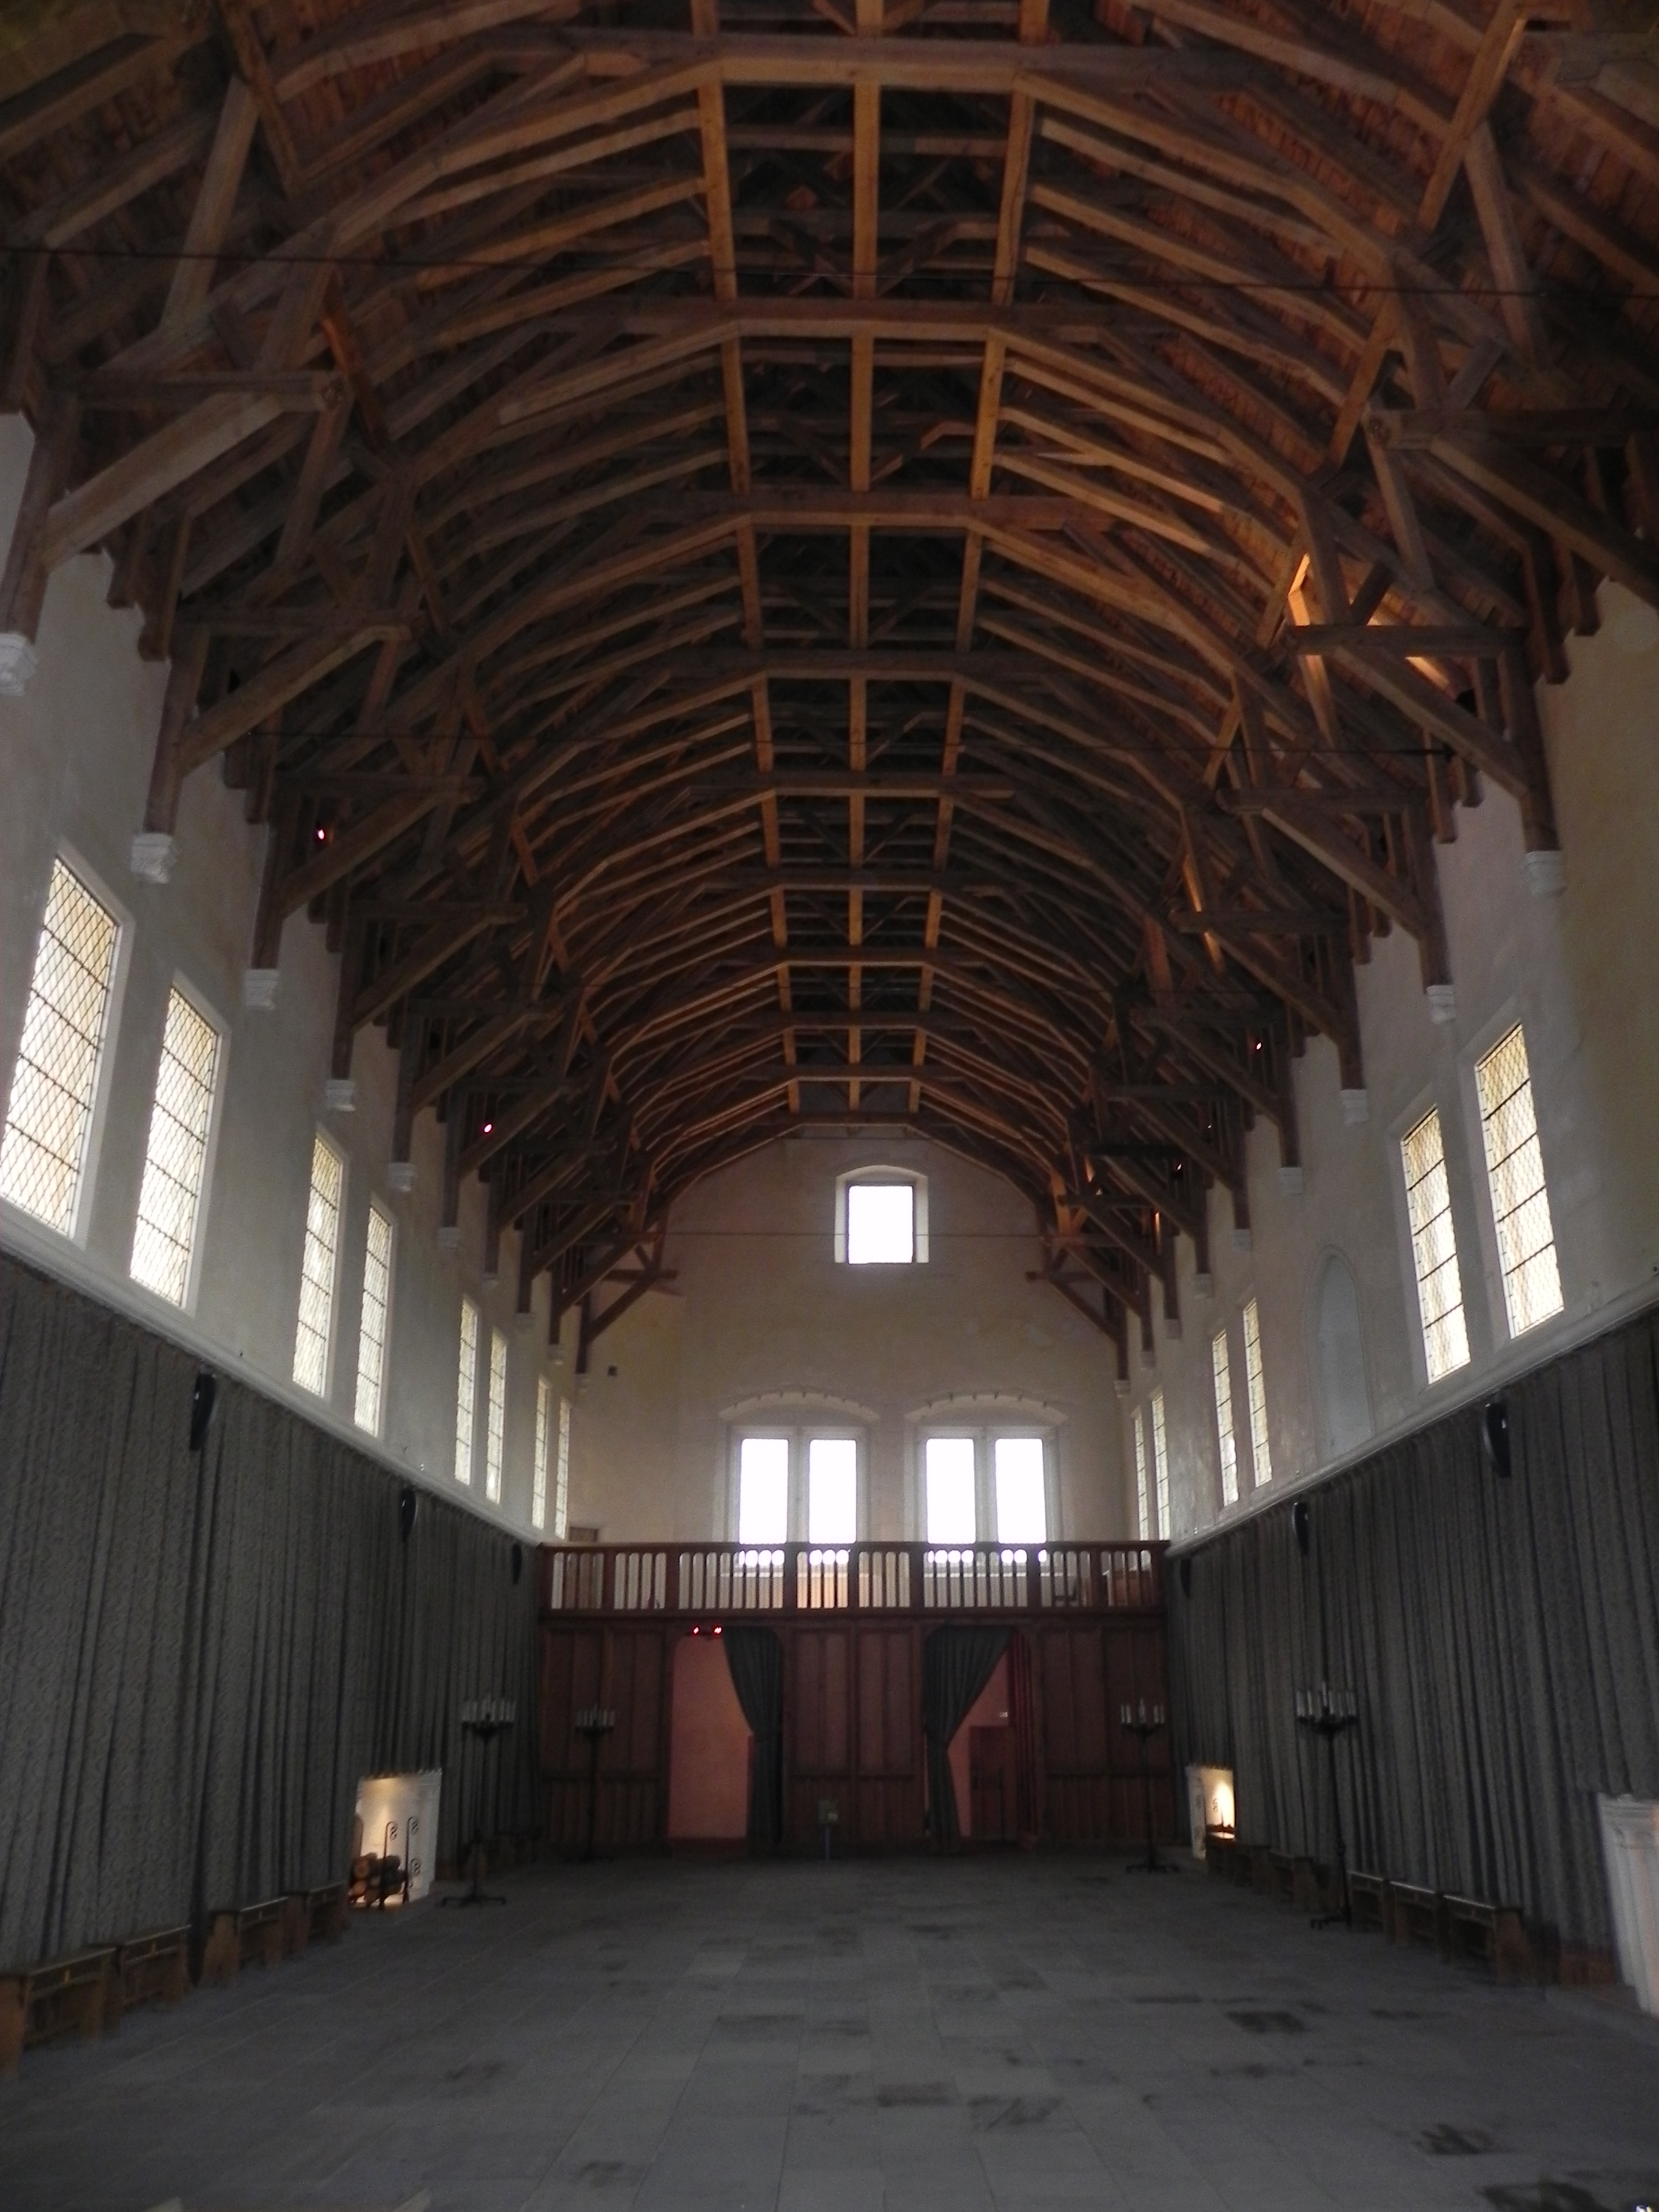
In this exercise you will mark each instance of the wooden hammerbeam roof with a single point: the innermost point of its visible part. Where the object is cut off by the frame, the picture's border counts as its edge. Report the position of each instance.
(773, 564)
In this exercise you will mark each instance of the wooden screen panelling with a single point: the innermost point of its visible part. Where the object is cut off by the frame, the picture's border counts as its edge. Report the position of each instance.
(818, 1730)
(1135, 1671)
(852, 1727)
(626, 1668)
(1074, 1749)
(889, 1792)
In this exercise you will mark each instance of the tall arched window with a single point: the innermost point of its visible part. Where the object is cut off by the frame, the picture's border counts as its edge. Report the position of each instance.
(1343, 1393)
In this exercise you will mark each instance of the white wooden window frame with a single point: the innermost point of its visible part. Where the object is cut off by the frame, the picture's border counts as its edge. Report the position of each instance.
(1466, 1218)
(1221, 1370)
(331, 1351)
(495, 1411)
(1259, 1479)
(799, 1437)
(983, 1436)
(1492, 1033)
(541, 1449)
(561, 1499)
(468, 1305)
(104, 1079)
(201, 1005)
(1158, 1427)
(881, 1173)
(377, 1206)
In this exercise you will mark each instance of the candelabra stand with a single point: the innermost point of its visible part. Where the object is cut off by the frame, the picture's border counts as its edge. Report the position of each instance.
(595, 1722)
(483, 1719)
(1145, 1722)
(1330, 1714)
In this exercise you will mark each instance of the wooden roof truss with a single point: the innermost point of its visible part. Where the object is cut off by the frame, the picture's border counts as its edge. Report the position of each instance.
(940, 567)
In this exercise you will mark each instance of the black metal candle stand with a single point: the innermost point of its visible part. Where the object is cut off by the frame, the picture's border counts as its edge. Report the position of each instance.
(593, 1723)
(483, 1719)
(1145, 1722)
(1331, 1714)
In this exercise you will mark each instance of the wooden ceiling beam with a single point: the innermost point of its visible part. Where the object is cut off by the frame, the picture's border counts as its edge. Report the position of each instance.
(627, 779)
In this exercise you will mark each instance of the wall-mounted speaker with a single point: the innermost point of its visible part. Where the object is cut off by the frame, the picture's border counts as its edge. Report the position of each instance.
(1302, 1522)
(409, 1507)
(518, 1564)
(1495, 1435)
(203, 1401)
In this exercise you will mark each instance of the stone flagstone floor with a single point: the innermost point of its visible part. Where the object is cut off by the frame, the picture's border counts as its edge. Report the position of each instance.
(1027, 2034)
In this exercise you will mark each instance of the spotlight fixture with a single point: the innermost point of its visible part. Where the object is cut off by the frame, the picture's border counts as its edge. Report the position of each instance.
(409, 1507)
(1495, 1436)
(1302, 1522)
(1187, 1575)
(203, 1401)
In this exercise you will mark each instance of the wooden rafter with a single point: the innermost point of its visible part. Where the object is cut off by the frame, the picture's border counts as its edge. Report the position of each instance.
(817, 570)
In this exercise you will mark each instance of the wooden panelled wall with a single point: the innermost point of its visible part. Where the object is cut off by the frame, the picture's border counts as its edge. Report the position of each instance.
(852, 1729)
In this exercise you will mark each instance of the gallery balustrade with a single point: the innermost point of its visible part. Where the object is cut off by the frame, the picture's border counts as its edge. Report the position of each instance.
(852, 1578)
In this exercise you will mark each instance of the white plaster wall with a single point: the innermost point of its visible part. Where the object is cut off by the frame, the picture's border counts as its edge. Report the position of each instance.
(1578, 970)
(762, 1326)
(74, 763)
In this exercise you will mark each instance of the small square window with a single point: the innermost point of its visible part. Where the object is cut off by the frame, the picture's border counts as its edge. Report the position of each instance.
(881, 1224)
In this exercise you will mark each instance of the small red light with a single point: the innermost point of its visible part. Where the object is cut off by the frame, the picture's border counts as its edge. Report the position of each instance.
(322, 835)
(717, 1631)
(489, 1128)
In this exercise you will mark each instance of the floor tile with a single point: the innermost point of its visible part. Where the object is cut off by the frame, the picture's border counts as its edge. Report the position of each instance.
(978, 2035)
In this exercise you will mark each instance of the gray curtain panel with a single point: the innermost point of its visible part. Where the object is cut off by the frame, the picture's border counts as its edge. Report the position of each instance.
(202, 1655)
(1502, 1636)
(955, 1665)
(755, 1658)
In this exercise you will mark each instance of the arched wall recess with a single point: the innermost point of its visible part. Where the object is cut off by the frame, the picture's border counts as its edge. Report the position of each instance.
(1339, 1361)
(976, 1405)
(796, 1404)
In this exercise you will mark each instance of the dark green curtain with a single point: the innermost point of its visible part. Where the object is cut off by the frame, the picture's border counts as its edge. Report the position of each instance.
(1502, 1638)
(955, 1665)
(755, 1658)
(201, 1656)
